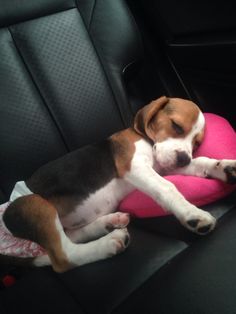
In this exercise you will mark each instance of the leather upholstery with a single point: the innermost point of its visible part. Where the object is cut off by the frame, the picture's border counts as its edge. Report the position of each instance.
(61, 79)
(61, 87)
(13, 11)
(63, 84)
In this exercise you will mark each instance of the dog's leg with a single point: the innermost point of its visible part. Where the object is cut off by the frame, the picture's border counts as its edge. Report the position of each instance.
(98, 228)
(32, 217)
(224, 169)
(145, 178)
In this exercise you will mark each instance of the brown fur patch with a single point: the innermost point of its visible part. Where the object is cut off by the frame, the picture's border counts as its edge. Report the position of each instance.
(155, 121)
(123, 149)
(33, 218)
(182, 112)
(145, 115)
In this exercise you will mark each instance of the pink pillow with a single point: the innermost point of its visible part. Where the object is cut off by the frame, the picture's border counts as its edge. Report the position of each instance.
(220, 143)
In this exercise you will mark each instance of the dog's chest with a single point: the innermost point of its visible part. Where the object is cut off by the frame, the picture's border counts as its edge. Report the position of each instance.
(102, 202)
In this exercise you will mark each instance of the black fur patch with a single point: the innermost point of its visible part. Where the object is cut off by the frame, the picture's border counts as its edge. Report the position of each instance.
(77, 174)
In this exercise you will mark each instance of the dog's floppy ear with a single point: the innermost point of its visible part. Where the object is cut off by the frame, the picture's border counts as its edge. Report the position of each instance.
(145, 115)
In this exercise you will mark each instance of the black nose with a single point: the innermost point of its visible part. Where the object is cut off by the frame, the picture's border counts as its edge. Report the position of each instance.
(182, 159)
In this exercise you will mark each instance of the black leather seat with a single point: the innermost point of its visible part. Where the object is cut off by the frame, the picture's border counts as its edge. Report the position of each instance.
(68, 77)
(62, 69)
(61, 78)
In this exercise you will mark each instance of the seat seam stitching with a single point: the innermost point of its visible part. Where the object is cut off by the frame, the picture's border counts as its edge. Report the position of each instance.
(92, 14)
(48, 108)
(123, 115)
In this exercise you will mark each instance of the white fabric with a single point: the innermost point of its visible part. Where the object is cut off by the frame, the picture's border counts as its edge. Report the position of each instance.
(19, 190)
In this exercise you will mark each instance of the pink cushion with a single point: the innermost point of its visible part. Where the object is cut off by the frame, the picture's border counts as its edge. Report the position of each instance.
(220, 143)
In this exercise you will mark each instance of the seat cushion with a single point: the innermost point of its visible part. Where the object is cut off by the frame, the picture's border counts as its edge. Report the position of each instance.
(220, 143)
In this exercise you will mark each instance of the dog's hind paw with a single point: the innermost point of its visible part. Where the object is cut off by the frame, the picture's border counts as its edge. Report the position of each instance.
(117, 220)
(118, 241)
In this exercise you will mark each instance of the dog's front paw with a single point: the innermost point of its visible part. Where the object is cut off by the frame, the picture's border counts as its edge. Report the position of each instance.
(224, 170)
(199, 221)
(229, 168)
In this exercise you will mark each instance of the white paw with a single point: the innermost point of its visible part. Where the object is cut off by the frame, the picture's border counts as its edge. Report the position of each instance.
(117, 241)
(199, 221)
(116, 221)
(229, 170)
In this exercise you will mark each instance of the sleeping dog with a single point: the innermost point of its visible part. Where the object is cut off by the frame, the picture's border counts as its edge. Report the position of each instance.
(64, 215)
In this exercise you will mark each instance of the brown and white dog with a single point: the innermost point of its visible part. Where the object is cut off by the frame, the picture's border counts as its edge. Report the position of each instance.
(71, 202)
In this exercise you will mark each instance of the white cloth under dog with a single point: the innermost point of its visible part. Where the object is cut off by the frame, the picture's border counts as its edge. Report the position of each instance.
(13, 246)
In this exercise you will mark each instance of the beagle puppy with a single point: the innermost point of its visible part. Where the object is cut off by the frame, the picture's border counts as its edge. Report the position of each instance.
(67, 208)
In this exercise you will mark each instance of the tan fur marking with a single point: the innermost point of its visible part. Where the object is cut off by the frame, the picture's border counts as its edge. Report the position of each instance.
(154, 120)
(37, 217)
(145, 115)
(182, 112)
(124, 149)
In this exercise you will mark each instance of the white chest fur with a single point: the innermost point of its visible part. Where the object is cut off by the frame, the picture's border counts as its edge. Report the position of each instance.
(102, 202)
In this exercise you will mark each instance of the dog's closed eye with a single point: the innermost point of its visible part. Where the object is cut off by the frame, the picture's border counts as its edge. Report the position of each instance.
(177, 128)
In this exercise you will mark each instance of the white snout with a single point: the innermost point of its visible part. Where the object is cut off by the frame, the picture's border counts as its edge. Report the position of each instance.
(172, 153)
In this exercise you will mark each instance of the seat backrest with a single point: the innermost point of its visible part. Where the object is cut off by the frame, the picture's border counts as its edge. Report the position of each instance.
(61, 79)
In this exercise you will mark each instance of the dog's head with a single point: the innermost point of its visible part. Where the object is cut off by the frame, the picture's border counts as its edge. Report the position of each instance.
(176, 128)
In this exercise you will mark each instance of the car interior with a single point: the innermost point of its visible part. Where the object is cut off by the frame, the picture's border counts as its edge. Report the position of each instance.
(73, 72)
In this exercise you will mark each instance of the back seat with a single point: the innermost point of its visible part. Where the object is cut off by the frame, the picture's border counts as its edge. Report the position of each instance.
(71, 73)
